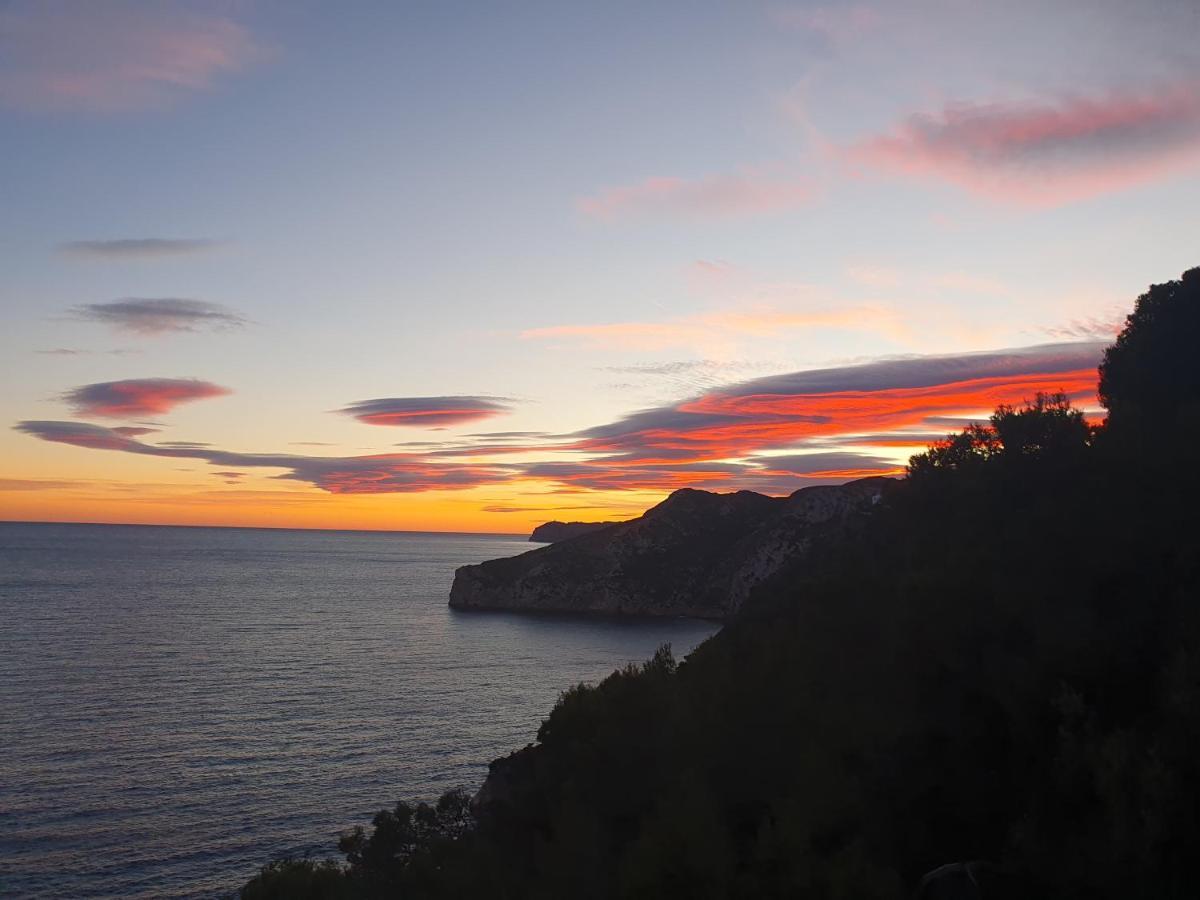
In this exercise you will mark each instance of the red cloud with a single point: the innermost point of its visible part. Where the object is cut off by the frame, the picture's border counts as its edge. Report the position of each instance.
(695, 441)
(770, 434)
(138, 397)
(1042, 154)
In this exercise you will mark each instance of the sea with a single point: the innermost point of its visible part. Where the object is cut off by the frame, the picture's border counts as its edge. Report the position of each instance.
(179, 705)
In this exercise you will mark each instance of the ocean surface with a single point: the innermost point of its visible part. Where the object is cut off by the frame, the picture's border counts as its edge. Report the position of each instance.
(180, 705)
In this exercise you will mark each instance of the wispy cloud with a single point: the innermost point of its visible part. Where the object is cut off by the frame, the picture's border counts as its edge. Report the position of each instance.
(37, 484)
(1089, 328)
(76, 351)
(379, 474)
(426, 412)
(1046, 153)
(748, 193)
(707, 330)
(115, 55)
(136, 248)
(837, 23)
(154, 316)
(138, 397)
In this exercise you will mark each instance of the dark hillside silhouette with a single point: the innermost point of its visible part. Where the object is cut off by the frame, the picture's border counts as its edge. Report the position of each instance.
(990, 683)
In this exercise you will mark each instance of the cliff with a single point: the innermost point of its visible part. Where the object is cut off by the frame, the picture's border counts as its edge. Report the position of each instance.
(695, 554)
(553, 532)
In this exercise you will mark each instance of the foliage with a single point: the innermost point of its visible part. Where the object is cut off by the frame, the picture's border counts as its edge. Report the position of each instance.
(299, 879)
(1149, 380)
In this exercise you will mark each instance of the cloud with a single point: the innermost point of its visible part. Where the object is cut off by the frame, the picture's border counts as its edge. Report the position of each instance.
(500, 508)
(835, 23)
(1089, 328)
(707, 330)
(780, 411)
(771, 434)
(829, 464)
(115, 55)
(150, 317)
(749, 193)
(509, 435)
(1046, 153)
(378, 474)
(138, 397)
(134, 431)
(75, 351)
(425, 412)
(135, 248)
(37, 484)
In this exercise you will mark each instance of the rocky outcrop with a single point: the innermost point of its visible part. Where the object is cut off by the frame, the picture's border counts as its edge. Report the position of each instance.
(695, 554)
(553, 532)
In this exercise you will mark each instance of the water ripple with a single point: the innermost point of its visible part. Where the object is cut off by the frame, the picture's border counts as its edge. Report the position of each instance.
(182, 704)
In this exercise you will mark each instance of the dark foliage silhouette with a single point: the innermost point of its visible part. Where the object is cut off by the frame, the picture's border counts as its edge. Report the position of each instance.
(993, 677)
(1149, 380)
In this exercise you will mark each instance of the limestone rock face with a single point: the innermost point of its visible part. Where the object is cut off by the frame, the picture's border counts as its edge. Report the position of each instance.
(695, 554)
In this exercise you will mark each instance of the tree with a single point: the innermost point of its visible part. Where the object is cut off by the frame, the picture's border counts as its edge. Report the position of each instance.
(1149, 379)
(1048, 425)
(972, 446)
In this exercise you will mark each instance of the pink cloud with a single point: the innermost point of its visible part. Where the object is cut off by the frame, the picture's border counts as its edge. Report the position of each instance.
(425, 412)
(114, 55)
(748, 193)
(1046, 154)
(138, 397)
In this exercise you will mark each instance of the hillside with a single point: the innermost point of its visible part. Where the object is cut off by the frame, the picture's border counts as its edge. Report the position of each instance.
(695, 554)
(999, 664)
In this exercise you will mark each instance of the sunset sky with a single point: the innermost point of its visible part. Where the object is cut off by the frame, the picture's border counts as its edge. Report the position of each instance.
(474, 266)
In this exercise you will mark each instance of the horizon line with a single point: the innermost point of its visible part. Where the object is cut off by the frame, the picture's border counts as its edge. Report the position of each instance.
(519, 534)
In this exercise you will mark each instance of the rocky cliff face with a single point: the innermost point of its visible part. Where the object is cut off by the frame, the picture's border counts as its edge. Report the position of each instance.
(695, 554)
(553, 532)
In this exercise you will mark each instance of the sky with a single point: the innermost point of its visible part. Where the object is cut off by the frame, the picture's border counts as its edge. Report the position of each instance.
(475, 266)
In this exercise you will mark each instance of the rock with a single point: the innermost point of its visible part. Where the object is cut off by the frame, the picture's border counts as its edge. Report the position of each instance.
(553, 532)
(695, 554)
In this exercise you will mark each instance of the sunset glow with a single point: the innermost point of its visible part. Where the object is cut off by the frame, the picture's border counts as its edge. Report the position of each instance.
(331, 290)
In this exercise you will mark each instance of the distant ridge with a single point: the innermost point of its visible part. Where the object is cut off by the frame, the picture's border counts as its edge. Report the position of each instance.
(695, 554)
(553, 532)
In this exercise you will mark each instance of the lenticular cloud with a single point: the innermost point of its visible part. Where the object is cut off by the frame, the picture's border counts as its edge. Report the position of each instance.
(425, 412)
(137, 397)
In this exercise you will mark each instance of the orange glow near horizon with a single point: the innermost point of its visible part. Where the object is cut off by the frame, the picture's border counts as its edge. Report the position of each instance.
(720, 441)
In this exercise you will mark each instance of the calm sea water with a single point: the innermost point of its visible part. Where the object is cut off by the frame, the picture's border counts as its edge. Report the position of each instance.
(179, 705)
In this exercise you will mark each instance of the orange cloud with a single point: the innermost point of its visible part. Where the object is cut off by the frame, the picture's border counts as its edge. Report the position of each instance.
(770, 434)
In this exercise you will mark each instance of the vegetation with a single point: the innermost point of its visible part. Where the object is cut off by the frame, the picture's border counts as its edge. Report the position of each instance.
(1001, 662)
